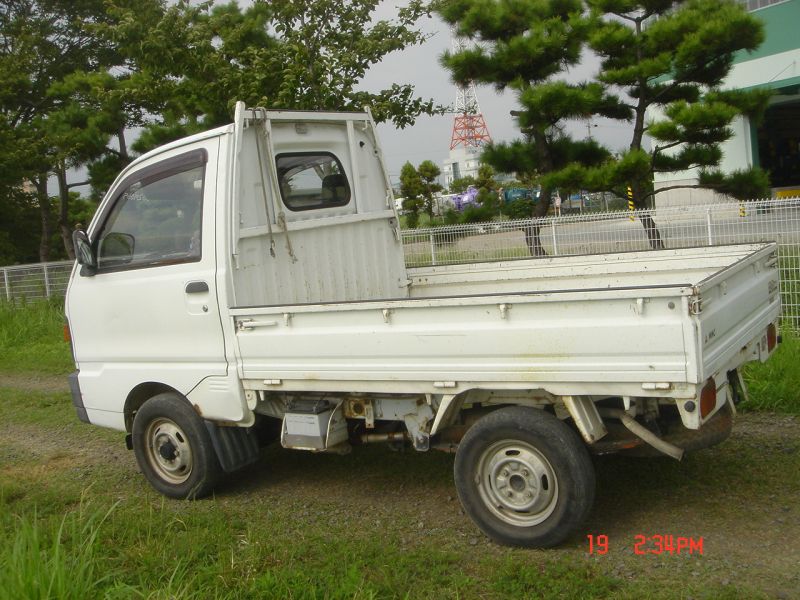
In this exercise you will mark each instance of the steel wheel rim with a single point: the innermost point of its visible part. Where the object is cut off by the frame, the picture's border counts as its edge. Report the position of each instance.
(168, 450)
(517, 483)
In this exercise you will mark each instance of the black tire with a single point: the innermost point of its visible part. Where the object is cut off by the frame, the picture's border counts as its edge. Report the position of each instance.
(524, 477)
(174, 449)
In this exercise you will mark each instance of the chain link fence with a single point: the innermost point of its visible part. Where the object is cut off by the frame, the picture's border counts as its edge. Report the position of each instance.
(591, 233)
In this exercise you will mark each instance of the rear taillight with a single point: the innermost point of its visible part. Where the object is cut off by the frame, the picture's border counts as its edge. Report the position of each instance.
(708, 398)
(772, 337)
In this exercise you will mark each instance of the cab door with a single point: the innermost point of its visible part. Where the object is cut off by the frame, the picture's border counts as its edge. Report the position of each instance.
(149, 313)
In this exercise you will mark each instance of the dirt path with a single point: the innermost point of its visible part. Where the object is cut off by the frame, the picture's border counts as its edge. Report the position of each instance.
(34, 381)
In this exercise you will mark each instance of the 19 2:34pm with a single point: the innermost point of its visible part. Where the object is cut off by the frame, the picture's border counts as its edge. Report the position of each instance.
(653, 544)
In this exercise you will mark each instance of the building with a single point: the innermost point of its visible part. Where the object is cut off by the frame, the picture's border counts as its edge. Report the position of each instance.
(462, 161)
(774, 144)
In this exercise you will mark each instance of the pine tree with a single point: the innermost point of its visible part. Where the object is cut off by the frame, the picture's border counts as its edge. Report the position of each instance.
(662, 60)
(669, 60)
(524, 46)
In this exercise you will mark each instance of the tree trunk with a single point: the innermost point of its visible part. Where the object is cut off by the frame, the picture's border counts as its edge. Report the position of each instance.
(123, 146)
(651, 229)
(643, 101)
(540, 142)
(63, 212)
(532, 230)
(40, 182)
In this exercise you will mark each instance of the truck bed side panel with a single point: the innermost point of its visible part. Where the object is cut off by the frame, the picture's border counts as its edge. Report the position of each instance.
(573, 337)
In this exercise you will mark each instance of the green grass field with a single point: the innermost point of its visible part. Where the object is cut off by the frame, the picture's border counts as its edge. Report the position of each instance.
(77, 520)
(32, 339)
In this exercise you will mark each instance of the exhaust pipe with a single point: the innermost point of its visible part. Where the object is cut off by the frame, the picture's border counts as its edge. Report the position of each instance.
(642, 432)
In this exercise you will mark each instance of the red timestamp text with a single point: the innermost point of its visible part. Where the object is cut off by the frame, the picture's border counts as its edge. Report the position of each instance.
(651, 544)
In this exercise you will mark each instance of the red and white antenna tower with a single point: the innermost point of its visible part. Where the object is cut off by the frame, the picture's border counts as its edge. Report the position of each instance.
(469, 127)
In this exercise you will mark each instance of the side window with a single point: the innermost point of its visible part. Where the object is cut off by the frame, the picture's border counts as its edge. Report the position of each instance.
(156, 220)
(312, 180)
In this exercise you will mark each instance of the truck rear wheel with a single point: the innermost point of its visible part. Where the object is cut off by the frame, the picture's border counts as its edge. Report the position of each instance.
(174, 449)
(524, 477)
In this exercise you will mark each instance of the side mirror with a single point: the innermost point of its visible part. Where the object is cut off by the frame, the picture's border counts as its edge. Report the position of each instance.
(84, 253)
(116, 249)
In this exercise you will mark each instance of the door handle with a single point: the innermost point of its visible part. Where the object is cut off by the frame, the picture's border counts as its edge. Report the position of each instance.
(244, 324)
(196, 287)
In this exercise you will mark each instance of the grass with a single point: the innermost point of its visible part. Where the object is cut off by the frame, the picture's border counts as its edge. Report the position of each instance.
(135, 544)
(32, 338)
(51, 558)
(557, 579)
(775, 384)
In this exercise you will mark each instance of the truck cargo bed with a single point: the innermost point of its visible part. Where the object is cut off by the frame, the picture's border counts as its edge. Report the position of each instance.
(619, 324)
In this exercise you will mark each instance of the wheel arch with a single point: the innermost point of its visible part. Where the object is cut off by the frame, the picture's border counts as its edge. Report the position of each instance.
(452, 406)
(448, 411)
(141, 394)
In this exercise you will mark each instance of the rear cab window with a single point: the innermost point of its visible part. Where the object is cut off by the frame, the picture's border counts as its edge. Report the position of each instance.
(312, 180)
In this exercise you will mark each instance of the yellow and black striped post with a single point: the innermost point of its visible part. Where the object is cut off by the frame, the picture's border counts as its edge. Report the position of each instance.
(742, 210)
(630, 202)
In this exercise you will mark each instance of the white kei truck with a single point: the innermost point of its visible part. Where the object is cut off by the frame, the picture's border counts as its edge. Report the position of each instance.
(249, 283)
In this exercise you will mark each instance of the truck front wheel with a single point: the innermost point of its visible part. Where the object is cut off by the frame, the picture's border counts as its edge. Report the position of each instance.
(524, 477)
(174, 449)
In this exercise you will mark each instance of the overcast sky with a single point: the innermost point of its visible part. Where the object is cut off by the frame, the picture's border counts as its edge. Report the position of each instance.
(430, 137)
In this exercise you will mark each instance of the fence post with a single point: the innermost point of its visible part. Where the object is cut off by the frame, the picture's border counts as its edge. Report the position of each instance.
(8, 288)
(553, 230)
(46, 281)
(433, 250)
(708, 226)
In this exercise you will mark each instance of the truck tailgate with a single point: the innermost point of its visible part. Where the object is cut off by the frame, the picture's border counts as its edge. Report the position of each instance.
(733, 306)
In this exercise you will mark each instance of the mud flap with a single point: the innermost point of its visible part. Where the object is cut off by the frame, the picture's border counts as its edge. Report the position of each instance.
(236, 447)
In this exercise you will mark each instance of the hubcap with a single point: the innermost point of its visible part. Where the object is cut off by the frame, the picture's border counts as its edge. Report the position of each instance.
(517, 483)
(168, 450)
